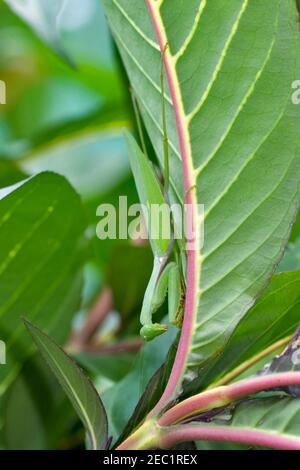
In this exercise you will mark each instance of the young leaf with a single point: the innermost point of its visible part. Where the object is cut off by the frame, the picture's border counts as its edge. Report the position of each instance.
(77, 386)
(238, 149)
(149, 192)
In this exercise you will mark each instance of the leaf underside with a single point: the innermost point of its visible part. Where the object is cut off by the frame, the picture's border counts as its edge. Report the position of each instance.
(231, 75)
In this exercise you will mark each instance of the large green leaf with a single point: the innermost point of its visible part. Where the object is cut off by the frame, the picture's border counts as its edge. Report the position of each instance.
(79, 389)
(230, 78)
(274, 317)
(41, 256)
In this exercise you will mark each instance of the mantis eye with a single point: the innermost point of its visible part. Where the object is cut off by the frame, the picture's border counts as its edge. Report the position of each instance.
(149, 332)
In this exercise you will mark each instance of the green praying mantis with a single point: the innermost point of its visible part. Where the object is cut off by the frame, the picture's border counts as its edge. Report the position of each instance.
(167, 276)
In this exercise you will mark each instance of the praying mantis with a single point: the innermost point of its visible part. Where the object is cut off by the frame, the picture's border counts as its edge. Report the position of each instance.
(167, 275)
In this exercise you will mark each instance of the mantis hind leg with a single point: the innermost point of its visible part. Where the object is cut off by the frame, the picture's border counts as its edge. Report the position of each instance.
(169, 282)
(176, 297)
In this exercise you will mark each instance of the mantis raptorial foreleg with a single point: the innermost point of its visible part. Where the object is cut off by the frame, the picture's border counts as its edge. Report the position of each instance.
(163, 281)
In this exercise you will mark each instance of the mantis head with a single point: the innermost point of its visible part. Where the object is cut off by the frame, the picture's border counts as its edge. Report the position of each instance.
(149, 332)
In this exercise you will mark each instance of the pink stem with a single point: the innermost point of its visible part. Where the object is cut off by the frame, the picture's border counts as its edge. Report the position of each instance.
(191, 292)
(184, 433)
(96, 316)
(222, 396)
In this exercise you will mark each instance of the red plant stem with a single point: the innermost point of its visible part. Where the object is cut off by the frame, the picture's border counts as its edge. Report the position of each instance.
(222, 396)
(185, 433)
(189, 186)
(96, 316)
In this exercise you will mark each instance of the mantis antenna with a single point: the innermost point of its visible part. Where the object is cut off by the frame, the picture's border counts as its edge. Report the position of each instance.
(164, 121)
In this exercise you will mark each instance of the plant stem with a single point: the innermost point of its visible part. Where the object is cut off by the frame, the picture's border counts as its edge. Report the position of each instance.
(145, 437)
(186, 433)
(251, 362)
(225, 395)
(103, 305)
